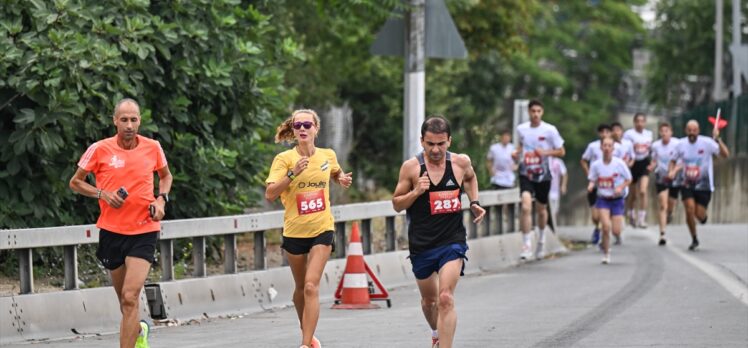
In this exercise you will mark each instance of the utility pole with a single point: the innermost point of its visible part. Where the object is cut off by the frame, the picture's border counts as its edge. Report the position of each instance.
(414, 102)
(718, 50)
(736, 71)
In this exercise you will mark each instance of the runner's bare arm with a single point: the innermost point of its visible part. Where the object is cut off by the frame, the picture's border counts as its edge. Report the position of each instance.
(79, 185)
(723, 151)
(489, 166)
(470, 185)
(405, 194)
(274, 189)
(585, 166)
(560, 152)
(564, 182)
(517, 151)
(164, 186)
(672, 169)
(342, 178)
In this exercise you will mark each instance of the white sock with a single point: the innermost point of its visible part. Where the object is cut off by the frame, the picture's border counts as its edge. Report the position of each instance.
(541, 235)
(527, 238)
(434, 334)
(642, 215)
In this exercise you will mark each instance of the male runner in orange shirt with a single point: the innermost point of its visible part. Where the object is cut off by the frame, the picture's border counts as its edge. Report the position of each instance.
(123, 167)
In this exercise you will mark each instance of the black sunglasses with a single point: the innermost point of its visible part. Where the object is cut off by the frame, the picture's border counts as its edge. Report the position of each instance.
(306, 124)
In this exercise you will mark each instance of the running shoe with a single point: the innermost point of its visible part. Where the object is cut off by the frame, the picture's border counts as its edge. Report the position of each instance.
(669, 218)
(662, 241)
(606, 259)
(434, 342)
(526, 253)
(315, 342)
(595, 236)
(642, 224)
(694, 245)
(540, 251)
(704, 221)
(145, 330)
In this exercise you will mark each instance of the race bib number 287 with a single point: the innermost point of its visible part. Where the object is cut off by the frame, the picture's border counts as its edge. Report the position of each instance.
(445, 202)
(310, 202)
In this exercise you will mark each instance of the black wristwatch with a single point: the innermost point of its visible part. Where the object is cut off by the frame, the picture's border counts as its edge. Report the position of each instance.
(472, 203)
(290, 175)
(165, 195)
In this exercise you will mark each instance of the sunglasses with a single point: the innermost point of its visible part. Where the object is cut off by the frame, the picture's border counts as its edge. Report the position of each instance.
(306, 124)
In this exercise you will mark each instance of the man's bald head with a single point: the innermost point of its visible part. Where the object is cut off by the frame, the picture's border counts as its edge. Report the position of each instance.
(692, 130)
(128, 106)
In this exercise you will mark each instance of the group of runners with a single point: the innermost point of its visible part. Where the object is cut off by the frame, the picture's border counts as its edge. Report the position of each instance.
(429, 189)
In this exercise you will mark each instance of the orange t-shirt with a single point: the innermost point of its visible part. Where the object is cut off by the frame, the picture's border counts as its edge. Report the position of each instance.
(115, 167)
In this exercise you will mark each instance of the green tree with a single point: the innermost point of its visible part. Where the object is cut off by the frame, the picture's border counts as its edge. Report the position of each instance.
(209, 76)
(681, 73)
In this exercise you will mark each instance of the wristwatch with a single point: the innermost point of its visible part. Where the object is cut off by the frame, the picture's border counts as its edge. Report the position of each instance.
(474, 203)
(290, 175)
(165, 195)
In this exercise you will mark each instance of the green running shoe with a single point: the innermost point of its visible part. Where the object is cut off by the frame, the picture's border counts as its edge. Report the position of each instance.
(142, 341)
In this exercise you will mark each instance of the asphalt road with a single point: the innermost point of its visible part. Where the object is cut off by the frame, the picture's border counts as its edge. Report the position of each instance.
(649, 296)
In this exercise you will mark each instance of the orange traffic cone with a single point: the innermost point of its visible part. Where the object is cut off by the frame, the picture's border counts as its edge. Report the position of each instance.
(353, 288)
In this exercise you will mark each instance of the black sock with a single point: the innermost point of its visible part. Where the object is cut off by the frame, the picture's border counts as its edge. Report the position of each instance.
(704, 220)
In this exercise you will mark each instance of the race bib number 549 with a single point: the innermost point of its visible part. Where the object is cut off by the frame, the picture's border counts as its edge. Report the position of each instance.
(310, 202)
(445, 202)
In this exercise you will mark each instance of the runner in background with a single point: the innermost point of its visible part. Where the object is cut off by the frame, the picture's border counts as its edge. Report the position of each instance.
(663, 150)
(694, 154)
(559, 181)
(611, 176)
(592, 153)
(538, 142)
(500, 164)
(642, 140)
(627, 149)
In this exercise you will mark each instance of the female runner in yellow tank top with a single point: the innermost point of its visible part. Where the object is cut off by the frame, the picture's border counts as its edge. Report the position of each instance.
(301, 177)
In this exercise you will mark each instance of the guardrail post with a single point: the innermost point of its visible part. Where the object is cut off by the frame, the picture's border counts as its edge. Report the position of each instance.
(366, 236)
(166, 249)
(70, 262)
(472, 227)
(389, 234)
(499, 210)
(198, 256)
(229, 252)
(259, 237)
(340, 239)
(512, 217)
(26, 270)
(487, 223)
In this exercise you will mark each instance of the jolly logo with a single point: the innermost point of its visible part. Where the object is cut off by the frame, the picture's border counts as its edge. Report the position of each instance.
(116, 162)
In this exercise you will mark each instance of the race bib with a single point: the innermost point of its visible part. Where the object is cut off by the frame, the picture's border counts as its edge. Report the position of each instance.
(445, 202)
(604, 183)
(693, 172)
(532, 163)
(641, 148)
(310, 202)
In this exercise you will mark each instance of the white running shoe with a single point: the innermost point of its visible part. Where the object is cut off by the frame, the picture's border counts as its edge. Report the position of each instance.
(540, 251)
(526, 253)
(606, 259)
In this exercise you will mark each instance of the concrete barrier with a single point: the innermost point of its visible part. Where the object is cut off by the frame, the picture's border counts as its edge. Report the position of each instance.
(95, 311)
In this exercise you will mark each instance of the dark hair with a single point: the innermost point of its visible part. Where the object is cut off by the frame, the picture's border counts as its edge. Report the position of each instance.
(639, 114)
(664, 124)
(436, 124)
(534, 102)
(616, 124)
(601, 127)
(506, 131)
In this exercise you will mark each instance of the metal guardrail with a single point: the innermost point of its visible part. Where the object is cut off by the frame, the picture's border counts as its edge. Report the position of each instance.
(24, 241)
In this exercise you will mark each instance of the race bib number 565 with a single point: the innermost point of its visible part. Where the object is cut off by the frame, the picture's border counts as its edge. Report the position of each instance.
(310, 202)
(445, 202)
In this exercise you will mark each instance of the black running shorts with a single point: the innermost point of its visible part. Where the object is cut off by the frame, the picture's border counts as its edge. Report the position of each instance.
(639, 169)
(701, 198)
(299, 246)
(672, 190)
(114, 247)
(539, 190)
